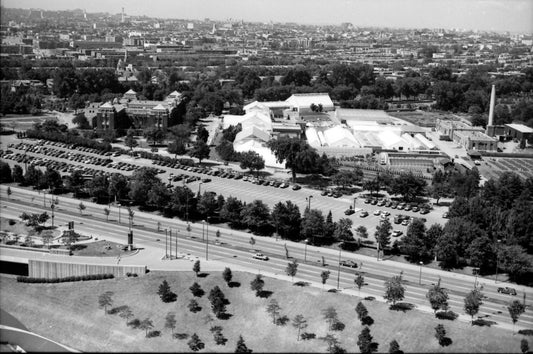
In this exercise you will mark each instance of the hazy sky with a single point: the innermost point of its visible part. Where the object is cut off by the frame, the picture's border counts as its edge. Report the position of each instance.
(499, 15)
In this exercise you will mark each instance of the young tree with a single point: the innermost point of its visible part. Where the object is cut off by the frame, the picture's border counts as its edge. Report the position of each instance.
(106, 213)
(394, 347)
(299, 322)
(9, 192)
(361, 310)
(126, 313)
(226, 275)
(218, 336)
(252, 160)
(292, 268)
(440, 333)
(241, 346)
(195, 343)
(200, 150)
(257, 284)
(165, 293)
(202, 134)
(273, 309)
(394, 290)
(193, 306)
(382, 234)
(438, 297)
(515, 310)
(170, 321)
(364, 341)
(218, 301)
(196, 290)
(331, 340)
(81, 207)
(130, 140)
(105, 300)
(330, 315)
(472, 302)
(359, 281)
(146, 324)
(196, 267)
(524, 346)
(324, 275)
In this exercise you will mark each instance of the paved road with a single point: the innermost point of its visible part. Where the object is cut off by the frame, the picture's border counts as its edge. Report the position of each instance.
(235, 250)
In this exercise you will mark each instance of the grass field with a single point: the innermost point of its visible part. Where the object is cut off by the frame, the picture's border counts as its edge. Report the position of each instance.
(69, 314)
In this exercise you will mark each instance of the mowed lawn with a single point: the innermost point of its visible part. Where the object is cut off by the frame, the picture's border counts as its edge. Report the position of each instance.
(69, 314)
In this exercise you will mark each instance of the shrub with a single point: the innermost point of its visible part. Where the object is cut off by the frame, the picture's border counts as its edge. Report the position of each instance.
(152, 334)
(11, 222)
(446, 315)
(282, 321)
(134, 275)
(482, 323)
(367, 321)
(338, 326)
(370, 298)
(180, 336)
(526, 332)
(128, 274)
(116, 310)
(307, 336)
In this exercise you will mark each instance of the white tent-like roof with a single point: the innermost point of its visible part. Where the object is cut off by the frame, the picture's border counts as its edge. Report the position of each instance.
(312, 137)
(390, 140)
(339, 137)
(252, 133)
(428, 144)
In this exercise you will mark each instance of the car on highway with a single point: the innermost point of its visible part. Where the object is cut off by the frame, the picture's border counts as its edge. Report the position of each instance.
(507, 290)
(260, 256)
(397, 233)
(363, 214)
(349, 211)
(348, 263)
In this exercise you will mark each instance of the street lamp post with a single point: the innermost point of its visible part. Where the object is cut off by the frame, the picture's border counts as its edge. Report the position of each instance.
(497, 259)
(354, 198)
(170, 242)
(476, 272)
(199, 188)
(309, 202)
(420, 275)
(119, 212)
(177, 234)
(52, 206)
(203, 228)
(166, 244)
(339, 268)
(170, 176)
(207, 240)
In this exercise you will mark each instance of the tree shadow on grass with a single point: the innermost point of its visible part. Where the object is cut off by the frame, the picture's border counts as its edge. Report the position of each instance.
(203, 275)
(225, 316)
(265, 294)
(234, 284)
(402, 306)
(483, 323)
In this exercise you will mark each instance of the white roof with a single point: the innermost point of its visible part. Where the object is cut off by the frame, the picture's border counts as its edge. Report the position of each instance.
(159, 107)
(304, 100)
(252, 133)
(391, 140)
(520, 127)
(130, 92)
(339, 137)
(106, 105)
(351, 114)
(312, 137)
(414, 144)
(255, 105)
(428, 144)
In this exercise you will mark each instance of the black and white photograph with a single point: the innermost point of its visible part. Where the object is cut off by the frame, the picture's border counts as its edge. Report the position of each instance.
(266, 176)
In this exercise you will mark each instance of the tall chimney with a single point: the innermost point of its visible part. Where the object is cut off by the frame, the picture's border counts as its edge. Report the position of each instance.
(122, 19)
(492, 103)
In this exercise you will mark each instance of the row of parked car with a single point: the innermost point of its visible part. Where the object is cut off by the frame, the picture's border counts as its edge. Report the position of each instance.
(423, 209)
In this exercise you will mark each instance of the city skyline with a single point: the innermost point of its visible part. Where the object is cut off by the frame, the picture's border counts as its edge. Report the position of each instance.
(486, 15)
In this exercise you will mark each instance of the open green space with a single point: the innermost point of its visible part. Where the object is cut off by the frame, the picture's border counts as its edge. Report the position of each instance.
(69, 314)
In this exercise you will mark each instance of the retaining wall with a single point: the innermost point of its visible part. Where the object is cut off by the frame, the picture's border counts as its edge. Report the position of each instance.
(47, 269)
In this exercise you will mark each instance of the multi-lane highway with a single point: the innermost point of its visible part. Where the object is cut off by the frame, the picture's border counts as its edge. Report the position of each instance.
(234, 248)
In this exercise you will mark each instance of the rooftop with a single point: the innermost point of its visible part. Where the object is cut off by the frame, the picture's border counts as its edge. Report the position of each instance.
(520, 127)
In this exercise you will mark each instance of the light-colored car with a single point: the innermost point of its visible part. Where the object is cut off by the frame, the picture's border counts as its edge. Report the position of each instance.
(396, 233)
(260, 256)
(405, 222)
(377, 212)
(363, 214)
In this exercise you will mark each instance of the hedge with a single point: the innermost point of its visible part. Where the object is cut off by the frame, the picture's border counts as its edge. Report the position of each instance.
(23, 279)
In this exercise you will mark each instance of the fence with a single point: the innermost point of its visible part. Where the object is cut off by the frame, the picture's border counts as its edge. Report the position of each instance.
(47, 269)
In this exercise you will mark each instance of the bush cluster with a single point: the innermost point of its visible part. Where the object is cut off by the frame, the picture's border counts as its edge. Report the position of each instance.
(23, 279)
(446, 315)
(129, 274)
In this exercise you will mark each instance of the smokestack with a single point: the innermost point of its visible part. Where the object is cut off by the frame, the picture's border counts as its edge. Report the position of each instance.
(122, 19)
(492, 103)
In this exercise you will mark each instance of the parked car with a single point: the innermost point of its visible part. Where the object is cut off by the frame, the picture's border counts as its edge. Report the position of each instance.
(363, 214)
(348, 263)
(296, 187)
(324, 192)
(349, 211)
(424, 211)
(405, 222)
(377, 212)
(507, 290)
(445, 215)
(397, 233)
(260, 256)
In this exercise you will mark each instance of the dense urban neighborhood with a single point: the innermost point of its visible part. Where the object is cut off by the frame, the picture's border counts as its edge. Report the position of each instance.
(263, 186)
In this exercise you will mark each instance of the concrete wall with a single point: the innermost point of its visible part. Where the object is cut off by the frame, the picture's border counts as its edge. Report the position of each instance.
(47, 269)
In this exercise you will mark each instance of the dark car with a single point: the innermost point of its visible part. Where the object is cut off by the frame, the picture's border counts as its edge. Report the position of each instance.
(296, 187)
(349, 211)
(348, 263)
(507, 290)
(324, 192)
(424, 211)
